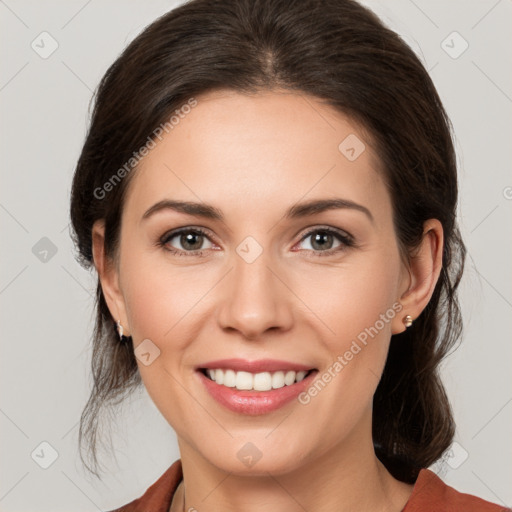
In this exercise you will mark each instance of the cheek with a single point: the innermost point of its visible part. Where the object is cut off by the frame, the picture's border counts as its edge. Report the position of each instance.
(350, 299)
(160, 303)
(358, 304)
(160, 296)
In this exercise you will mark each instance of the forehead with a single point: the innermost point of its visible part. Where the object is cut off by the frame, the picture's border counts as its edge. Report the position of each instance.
(253, 153)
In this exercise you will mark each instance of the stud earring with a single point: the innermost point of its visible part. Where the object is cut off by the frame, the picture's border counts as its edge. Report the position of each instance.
(407, 321)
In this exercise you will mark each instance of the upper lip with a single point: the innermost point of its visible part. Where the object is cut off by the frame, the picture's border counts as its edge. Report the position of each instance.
(260, 365)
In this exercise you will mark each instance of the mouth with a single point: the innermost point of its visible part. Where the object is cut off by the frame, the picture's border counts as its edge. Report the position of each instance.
(262, 381)
(254, 388)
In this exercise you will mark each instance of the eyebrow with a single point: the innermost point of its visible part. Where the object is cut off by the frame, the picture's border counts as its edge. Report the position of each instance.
(296, 211)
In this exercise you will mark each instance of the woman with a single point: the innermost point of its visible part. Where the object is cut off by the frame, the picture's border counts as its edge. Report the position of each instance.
(268, 193)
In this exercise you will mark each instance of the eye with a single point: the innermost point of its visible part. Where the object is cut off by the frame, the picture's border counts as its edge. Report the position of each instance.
(190, 239)
(323, 241)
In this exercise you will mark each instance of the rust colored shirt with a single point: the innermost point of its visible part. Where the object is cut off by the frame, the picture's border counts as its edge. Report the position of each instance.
(430, 494)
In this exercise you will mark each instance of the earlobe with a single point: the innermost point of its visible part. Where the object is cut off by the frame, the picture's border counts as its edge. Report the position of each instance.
(424, 270)
(108, 276)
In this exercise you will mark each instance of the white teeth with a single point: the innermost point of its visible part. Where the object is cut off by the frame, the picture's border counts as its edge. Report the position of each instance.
(300, 376)
(278, 380)
(229, 378)
(263, 381)
(289, 378)
(243, 380)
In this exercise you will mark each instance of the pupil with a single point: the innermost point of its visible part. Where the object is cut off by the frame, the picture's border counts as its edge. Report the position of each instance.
(320, 236)
(188, 240)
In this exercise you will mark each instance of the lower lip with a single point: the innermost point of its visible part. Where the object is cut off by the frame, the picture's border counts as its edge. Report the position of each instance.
(255, 402)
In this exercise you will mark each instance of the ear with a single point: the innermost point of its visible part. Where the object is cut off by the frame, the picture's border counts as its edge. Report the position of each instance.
(424, 270)
(108, 274)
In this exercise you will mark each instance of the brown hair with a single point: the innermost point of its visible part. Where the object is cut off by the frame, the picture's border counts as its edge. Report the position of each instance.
(341, 53)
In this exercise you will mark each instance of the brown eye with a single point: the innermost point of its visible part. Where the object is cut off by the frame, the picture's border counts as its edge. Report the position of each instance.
(185, 240)
(323, 241)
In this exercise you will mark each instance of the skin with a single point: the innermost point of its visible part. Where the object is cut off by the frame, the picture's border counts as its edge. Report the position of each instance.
(253, 157)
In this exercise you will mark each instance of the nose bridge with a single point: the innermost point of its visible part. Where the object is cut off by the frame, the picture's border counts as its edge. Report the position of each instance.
(255, 300)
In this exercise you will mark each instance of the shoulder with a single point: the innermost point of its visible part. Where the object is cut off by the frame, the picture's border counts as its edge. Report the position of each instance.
(431, 493)
(158, 496)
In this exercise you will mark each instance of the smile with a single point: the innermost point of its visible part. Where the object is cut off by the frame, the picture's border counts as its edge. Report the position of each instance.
(264, 381)
(254, 387)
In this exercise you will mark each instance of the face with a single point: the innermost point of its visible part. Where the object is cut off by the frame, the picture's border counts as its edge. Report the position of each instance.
(275, 289)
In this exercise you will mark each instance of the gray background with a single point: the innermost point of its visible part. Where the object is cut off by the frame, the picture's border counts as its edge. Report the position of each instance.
(46, 299)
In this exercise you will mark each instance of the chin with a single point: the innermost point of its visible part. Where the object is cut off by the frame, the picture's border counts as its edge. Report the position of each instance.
(258, 457)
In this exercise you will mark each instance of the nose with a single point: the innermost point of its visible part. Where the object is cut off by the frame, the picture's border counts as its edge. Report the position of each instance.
(256, 298)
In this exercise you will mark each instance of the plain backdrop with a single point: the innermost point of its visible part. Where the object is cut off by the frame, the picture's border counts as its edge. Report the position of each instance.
(46, 298)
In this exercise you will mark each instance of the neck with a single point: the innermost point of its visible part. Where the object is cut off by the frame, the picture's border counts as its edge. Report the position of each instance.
(347, 477)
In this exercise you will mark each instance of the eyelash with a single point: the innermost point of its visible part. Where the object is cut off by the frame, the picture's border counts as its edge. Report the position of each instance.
(346, 240)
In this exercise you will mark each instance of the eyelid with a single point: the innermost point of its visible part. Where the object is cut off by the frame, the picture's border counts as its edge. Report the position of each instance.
(168, 235)
(330, 229)
(191, 227)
